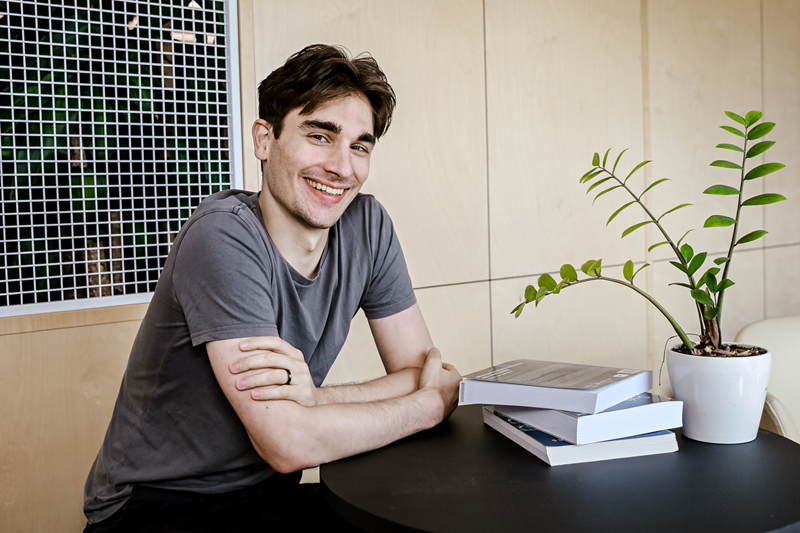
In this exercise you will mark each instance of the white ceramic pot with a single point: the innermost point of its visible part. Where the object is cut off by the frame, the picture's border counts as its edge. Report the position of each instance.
(723, 397)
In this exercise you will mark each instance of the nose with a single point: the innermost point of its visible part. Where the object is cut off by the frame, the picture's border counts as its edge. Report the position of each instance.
(339, 161)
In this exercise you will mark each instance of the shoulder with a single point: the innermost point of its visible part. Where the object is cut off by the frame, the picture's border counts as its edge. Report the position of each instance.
(225, 212)
(365, 210)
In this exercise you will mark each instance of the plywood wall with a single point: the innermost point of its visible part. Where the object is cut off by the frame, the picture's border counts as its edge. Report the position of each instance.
(500, 105)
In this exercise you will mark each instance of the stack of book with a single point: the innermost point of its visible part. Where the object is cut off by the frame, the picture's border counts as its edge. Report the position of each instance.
(566, 413)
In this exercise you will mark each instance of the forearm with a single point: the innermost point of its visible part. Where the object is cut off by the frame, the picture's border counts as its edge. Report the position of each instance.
(393, 385)
(310, 436)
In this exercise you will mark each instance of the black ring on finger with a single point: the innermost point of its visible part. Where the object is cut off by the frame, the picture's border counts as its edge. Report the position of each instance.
(288, 377)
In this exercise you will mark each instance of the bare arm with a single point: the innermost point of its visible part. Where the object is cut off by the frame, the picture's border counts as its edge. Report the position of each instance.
(291, 436)
(403, 342)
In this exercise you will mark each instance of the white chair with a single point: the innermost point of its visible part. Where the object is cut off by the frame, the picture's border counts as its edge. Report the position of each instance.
(781, 336)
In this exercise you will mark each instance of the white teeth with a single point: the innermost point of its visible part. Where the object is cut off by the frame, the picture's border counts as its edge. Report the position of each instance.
(325, 188)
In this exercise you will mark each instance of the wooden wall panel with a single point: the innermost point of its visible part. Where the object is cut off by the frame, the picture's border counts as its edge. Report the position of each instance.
(430, 169)
(782, 105)
(564, 81)
(57, 389)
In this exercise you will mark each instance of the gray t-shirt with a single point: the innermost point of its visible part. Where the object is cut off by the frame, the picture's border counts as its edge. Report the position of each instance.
(172, 425)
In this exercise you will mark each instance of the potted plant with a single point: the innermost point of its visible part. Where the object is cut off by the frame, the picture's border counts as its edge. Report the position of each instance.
(722, 385)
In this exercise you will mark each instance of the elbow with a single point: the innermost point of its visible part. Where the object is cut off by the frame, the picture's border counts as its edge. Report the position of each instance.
(285, 456)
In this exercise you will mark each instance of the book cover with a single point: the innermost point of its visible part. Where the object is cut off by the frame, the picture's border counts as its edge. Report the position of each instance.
(556, 452)
(552, 385)
(643, 413)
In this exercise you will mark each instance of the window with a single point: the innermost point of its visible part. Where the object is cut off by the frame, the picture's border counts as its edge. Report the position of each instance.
(116, 119)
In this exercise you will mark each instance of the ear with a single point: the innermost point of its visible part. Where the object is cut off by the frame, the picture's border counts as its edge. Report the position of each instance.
(262, 138)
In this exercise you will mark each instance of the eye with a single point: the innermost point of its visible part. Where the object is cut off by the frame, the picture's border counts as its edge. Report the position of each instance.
(360, 148)
(319, 137)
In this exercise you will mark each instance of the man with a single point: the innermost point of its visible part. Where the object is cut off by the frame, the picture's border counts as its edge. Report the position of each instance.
(221, 405)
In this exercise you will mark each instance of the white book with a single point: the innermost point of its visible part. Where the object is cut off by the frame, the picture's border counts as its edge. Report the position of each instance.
(644, 413)
(555, 451)
(551, 385)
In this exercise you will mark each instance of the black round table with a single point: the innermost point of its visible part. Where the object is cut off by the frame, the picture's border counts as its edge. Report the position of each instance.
(464, 476)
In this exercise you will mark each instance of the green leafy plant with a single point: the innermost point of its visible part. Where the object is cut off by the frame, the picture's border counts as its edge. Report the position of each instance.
(706, 288)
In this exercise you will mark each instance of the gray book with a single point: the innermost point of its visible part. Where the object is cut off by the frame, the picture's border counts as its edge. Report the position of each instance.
(552, 385)
(644, 413)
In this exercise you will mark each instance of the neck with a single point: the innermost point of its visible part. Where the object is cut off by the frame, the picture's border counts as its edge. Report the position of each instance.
(298, 243)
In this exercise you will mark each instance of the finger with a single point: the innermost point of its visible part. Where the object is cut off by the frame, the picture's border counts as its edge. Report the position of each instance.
(264, 360)
(274, 393)
(263, 379)
(273, 344)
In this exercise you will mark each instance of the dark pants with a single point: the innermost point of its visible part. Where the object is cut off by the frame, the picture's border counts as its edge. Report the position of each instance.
(276, 504)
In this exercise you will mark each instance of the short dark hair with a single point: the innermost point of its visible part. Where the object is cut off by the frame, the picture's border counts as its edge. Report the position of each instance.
(319, 73)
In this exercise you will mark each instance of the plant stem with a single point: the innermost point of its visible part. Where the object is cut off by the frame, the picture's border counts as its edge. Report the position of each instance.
(678, 329)
(733, 237)
(678, 254)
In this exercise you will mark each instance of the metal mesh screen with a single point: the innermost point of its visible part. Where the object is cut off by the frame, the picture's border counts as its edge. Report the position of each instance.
(115, 124)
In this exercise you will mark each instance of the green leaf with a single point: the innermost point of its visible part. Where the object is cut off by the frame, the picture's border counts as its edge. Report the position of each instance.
(605, 157)
(733, 116)
(617, 161)
(530, 293)
(546, 281)
(697, 262)
(752, 236)
(725, 164)
(627, 270)
(724, 284)
(721, 260)
(640, 269)
(759, 148)
(730, 147)
(592, 267)
(657, 245)
(588, 265)
(732, 130)
(605, 191)
(518, 310)
(711, 281)
(763, 170)
(618, 211)
(681, 285)
(760, 130)
(718, 221)
(678, 266)
(640, 165)
(585, 176)
(752, 117)
(662, 180)
(764, 199)
(723, 190)
(702, 297)
(711, 314)
(568, 273)
(687, 252)
(634, 228)
(591, 176)
(674, 209)
(540, 294)
(684, 236)
(596, 160)
(597, 184)
(559, 286)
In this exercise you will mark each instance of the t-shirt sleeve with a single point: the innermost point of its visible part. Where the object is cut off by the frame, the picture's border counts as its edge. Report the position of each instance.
(390, 290)
(222, 279)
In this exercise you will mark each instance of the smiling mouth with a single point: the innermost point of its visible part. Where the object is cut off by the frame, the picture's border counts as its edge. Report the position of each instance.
(324, 188)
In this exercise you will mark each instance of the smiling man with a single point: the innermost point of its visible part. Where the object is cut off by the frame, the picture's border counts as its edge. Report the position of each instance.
(221, 405)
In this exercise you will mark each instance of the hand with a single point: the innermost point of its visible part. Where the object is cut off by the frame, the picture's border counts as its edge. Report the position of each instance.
(279, 359)
(443, 378)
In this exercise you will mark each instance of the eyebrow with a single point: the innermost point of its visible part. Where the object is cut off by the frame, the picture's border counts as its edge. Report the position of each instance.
(333, 127)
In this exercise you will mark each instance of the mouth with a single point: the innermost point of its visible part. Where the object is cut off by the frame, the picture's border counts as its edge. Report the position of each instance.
(330, 191)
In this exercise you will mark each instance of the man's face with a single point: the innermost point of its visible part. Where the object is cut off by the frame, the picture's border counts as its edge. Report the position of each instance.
(321, 160)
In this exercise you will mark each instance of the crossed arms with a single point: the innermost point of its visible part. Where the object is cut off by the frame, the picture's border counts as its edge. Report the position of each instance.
(298, 425)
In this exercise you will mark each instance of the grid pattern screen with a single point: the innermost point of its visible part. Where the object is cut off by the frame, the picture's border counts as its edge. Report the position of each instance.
(114, 119)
